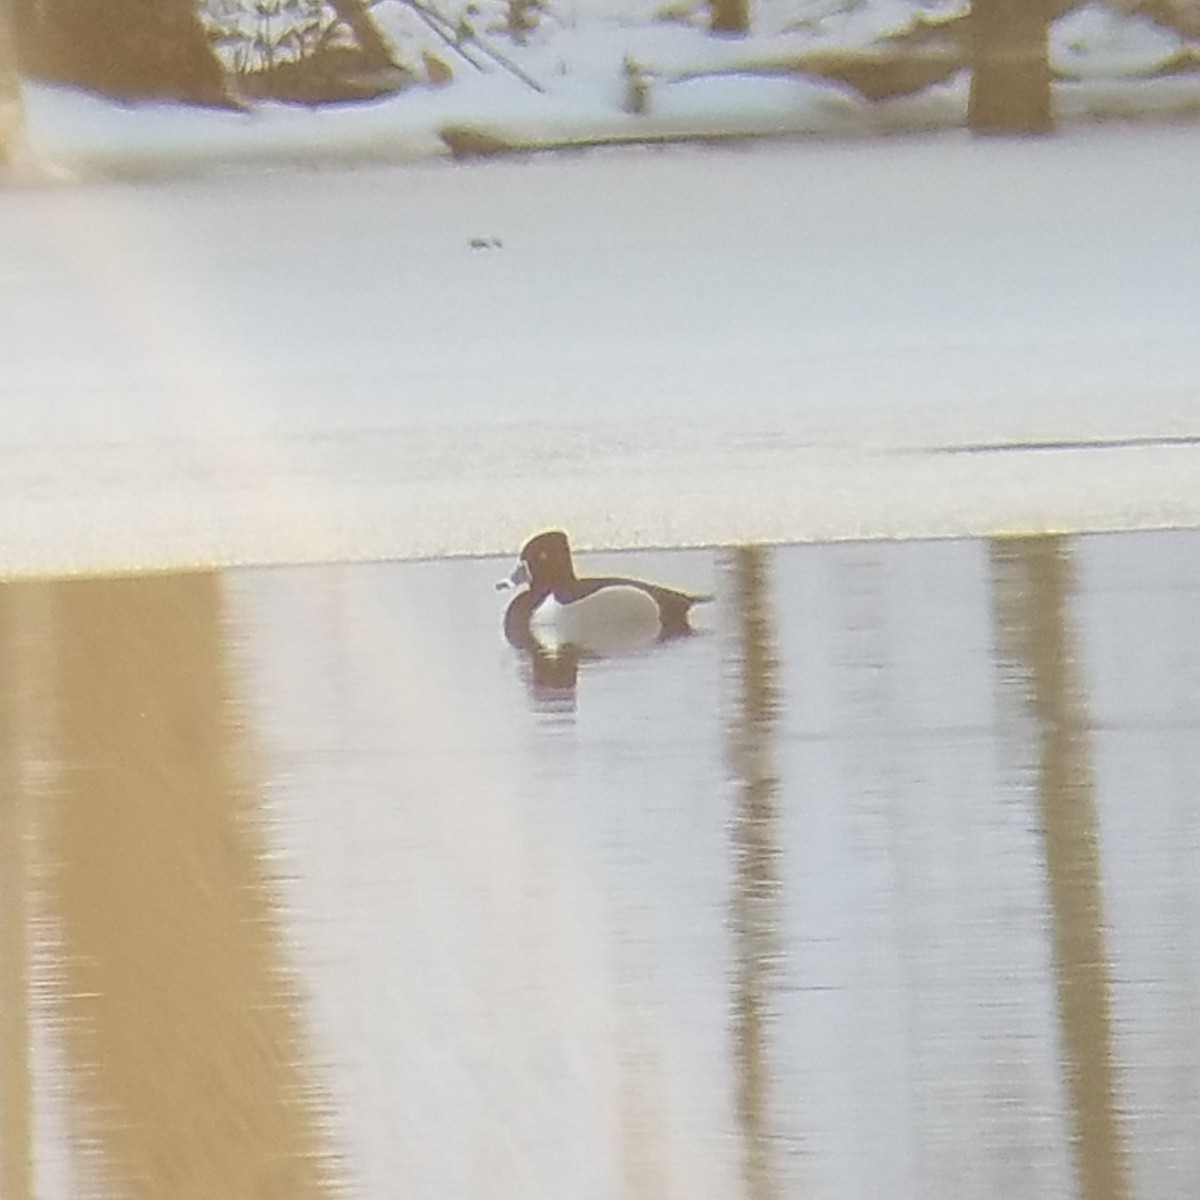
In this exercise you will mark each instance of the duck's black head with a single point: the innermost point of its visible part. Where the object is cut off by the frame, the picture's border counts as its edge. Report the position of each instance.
(545, 565)
(547, 558)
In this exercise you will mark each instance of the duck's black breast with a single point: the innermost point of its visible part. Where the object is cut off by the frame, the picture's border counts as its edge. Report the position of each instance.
(516, 620)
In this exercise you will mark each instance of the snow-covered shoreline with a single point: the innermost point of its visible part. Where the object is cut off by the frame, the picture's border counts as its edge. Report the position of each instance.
(82, 138)
(571, 81)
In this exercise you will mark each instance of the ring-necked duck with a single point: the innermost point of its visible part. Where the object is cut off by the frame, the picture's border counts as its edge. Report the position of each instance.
(601, 614)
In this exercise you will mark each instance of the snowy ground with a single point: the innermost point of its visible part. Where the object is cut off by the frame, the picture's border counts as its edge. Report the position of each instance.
(568, 83)
(905, 337)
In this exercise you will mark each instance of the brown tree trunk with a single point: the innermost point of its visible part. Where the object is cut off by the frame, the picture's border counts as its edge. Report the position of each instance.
(125, 48)
(1010, 67)
(374, 49)
(12, 113)
(8, 51)
(729, 16)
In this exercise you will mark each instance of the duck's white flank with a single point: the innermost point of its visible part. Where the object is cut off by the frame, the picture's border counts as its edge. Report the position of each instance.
(614, 618)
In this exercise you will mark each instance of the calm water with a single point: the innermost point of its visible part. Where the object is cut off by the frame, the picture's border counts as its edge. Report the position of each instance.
(886, 884)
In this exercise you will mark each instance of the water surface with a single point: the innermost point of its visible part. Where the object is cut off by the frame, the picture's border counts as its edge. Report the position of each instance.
(884, 884)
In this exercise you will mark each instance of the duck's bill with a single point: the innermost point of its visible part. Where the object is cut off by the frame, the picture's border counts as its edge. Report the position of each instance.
(518, 578)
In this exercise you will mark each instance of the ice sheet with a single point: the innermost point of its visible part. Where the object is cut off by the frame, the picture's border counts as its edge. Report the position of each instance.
(878, 338)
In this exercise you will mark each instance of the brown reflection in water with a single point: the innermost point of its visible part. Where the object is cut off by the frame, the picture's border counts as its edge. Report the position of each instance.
(755, 836)
(16, 1133)
(20, 713)
(1033, 581)
(178, 1018)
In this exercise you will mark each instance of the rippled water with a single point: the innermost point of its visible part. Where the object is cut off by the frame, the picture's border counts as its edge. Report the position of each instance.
(885, 884)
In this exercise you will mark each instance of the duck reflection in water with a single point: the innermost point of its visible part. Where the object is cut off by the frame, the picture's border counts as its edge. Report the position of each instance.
(558, 620)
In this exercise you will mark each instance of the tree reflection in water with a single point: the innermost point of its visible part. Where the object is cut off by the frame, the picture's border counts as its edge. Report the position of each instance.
(1033, 579)
(178, 1019)
(755, 884)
